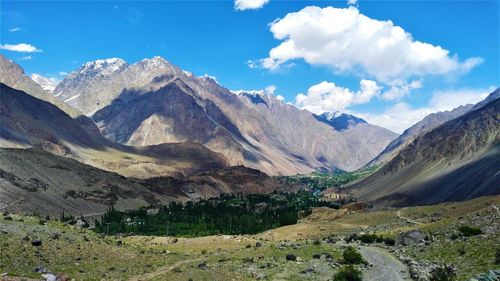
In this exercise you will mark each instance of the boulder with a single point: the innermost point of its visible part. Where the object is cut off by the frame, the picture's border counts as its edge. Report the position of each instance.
(291, 257)
(36, 242)
(412, 237)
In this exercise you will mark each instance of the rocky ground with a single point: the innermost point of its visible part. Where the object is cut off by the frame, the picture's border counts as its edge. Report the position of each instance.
(426, 237)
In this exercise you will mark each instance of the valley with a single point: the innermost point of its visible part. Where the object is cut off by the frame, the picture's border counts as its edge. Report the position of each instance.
(317, 244)
(179, 141)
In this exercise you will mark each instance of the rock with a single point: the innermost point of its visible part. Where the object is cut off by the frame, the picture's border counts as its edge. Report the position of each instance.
(26, 238)
(39, 269)
(55, 236)
(81, 223)
(49, 277)
(203, 265)
(316, 256)
(291, 257)
(258, 245)
(36, 242)
(173, 241)
(412, 237)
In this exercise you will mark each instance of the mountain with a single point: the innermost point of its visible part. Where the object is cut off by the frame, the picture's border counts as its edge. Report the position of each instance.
(456, 161)
(31, 122)
(33, 180)
(338, 120)
(153, 101)
(430, 122)
(12, 75)
(47, 84)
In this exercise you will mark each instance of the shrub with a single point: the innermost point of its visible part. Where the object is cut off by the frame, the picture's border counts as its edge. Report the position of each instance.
(454, 236)
(348, 273)
(368, 238)
(497, 256)
(469, 230)
(352, 256)
(444, 273)
(390, 241)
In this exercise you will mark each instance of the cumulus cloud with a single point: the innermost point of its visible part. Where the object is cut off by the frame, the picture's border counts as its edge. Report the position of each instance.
(22, 47)
(401, 89)
(242, 5)
(402, 116)
(15, 29)
(326, 96)
(349, 41)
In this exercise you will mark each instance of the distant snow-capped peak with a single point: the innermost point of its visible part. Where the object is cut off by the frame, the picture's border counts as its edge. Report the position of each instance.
(331, 115)
(105, 67)
(48, 84)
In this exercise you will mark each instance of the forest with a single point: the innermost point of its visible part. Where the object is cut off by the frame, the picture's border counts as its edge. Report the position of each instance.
(227, 214)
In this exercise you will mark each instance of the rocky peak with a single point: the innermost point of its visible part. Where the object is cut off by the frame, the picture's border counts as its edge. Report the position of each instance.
(48, 84)
(338, 120)
(104, 67)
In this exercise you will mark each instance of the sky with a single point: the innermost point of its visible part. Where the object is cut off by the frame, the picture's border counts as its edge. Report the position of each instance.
(389, 62)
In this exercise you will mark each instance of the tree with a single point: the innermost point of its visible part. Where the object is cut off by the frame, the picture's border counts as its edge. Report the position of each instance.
(348, 273)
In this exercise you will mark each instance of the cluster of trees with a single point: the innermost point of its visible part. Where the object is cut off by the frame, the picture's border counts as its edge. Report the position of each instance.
(227, 214)
(322, 181)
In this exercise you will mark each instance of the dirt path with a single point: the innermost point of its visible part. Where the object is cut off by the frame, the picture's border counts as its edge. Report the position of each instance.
(162, 270)
(385, 266)
(409, 220)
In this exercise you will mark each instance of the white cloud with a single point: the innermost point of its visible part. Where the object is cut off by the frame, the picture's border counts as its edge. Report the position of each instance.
(401, 89)
(15, 29)
(22, 47)
(242, 5)
(270, 89)
(326, 96)
(63, 73)
(349, 41)
(280, 97)
(26, 58)
(402, 116)
(352, 2)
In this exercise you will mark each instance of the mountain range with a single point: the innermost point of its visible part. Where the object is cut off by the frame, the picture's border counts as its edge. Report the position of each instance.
(113, 133)
(457, 160)
(153, 101)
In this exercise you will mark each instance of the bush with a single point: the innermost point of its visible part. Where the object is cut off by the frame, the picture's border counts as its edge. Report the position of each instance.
(469, 230)
(390, 241)
(348, 273)
(497, 256)
(368, 238)
(352, 256)
(444, 273)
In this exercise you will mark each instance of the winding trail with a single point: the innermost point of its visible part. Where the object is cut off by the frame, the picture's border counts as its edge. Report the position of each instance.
(162, 270)
(385, 266)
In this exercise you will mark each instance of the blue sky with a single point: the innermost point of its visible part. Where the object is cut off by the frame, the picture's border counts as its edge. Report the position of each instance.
(214, 38)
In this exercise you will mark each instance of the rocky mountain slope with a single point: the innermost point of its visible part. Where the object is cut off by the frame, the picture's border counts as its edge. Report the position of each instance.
(456, 161)
(31, 122)
(153, 101)
(430, 122)
(33, 180)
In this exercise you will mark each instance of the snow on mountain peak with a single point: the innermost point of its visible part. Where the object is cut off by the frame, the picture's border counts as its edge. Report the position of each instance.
(331, 115)
(48, 84)
(105, 67)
